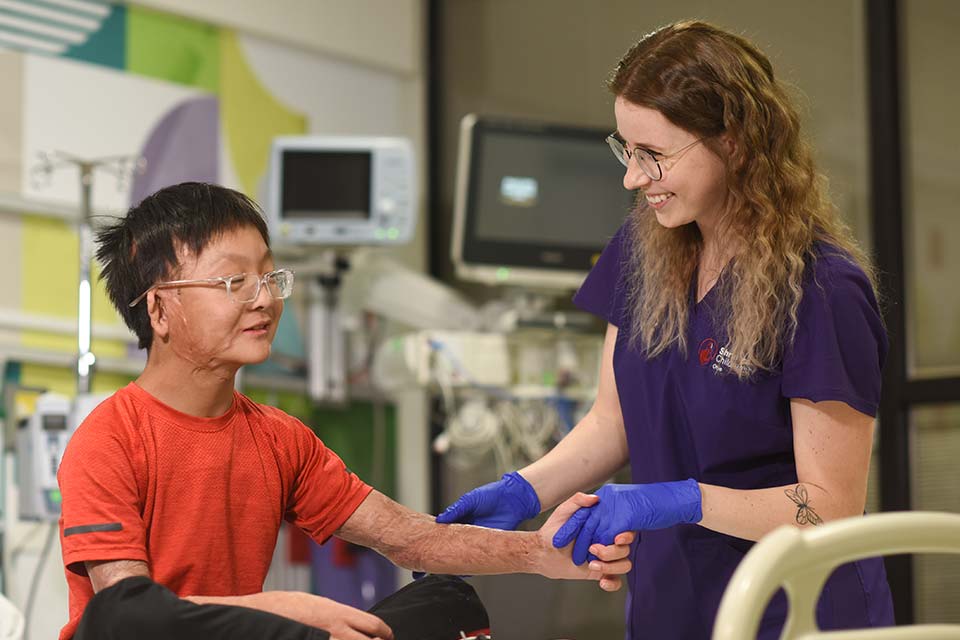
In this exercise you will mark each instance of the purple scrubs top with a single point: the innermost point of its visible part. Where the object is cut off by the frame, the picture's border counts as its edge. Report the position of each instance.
(686, 418)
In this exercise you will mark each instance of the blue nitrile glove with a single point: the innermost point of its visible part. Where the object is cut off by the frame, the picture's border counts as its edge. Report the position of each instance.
(499, 505)
(629, 507)
(503, 504)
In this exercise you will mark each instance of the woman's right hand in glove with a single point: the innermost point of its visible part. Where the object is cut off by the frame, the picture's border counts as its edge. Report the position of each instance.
(499, 505)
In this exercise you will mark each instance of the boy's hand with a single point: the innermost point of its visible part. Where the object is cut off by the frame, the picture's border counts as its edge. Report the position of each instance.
(341, 621)
(611, 560)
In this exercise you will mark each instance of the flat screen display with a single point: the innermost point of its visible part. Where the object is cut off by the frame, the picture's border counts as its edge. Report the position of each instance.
(54, 422)
(538, 196)
(325, 184)
(547, 189)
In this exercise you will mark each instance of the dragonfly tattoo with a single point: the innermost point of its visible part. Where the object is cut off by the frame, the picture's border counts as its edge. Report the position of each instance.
(805, 513)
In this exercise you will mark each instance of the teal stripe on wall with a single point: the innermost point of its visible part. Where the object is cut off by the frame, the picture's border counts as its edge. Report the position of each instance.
(87, 30)
(108, 46)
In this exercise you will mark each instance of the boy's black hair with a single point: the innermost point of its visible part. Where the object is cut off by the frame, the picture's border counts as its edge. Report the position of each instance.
(141, 248)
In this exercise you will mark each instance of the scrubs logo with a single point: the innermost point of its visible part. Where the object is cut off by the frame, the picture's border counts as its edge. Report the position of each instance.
(724, 361)
(708, 349)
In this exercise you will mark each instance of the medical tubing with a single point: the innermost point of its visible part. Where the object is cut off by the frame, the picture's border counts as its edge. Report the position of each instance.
(35, 579)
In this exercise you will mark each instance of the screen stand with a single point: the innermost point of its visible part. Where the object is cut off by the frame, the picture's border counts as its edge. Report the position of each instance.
(526, 308)
(326, 364)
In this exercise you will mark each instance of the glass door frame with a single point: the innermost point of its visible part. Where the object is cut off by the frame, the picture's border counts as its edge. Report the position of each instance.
(901, 391)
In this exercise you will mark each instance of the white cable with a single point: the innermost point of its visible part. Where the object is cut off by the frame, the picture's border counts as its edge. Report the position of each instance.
(474, 427)
(516, 430)
(18, 547)
(35, 580)
(529, 425)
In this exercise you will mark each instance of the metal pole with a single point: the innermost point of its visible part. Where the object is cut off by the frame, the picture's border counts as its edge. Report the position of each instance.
(886, 185)
(326, 365)
(120, 166)
(85, 357)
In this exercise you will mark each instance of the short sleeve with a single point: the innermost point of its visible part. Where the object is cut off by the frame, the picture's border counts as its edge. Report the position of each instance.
(325, 493)
(602, 292)
(101, 502)
(840, 343)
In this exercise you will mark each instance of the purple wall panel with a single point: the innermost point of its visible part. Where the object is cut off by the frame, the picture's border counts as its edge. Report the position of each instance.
(184, 146)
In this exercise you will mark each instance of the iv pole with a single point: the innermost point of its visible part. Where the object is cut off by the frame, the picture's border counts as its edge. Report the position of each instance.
(121, 167)
(85, 357)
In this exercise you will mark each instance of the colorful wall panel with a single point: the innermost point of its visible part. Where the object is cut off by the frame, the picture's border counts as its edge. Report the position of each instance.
(88, 111)
(197, 101)
(11, 120)
(251, 116)
(11, 112)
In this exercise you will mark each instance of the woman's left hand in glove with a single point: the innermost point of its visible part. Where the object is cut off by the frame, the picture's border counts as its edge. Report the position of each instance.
(629, 507)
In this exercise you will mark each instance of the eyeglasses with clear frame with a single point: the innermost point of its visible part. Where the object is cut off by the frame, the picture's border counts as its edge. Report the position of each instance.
(242, 288)
(649, 161)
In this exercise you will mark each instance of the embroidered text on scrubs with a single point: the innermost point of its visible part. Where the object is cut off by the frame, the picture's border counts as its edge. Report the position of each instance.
(724, 361)
(805, 513)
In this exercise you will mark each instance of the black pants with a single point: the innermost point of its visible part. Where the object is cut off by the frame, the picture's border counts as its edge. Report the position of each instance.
(432, 608)
(142, 609)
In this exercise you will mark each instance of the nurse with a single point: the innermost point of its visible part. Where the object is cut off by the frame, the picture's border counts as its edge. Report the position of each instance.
(741, 365)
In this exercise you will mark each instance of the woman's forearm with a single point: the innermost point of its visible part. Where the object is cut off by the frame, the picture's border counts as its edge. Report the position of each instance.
(751, 514)
(591, 453)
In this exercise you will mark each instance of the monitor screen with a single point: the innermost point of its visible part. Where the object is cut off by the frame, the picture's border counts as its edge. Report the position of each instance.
(318, 184)
(54, 422)
(538, 196)
(550, 190)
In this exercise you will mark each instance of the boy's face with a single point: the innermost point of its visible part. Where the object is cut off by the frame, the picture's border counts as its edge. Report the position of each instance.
(203, 324)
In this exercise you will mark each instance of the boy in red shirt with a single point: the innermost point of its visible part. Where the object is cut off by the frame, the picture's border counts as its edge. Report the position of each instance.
(177, 485)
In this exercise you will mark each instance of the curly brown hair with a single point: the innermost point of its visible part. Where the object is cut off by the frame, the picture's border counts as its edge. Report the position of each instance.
(709, 82)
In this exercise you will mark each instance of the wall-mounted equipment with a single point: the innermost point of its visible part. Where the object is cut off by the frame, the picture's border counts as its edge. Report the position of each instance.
(341, 190)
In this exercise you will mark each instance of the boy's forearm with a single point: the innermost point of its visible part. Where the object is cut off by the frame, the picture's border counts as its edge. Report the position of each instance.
(478, 550)
(264, 599)
(414, 541)
(461, 548)
(340, 620)
(277, 602)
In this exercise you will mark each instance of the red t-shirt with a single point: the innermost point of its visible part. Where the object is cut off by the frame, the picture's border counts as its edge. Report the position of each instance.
(200, 500)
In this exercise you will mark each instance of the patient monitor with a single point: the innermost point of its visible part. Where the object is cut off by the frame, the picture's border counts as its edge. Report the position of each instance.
(41, 440)
(535, 202)
(327, 196)
(341, 190)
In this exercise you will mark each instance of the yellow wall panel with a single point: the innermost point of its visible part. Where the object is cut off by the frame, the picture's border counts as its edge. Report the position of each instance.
(49, 278)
